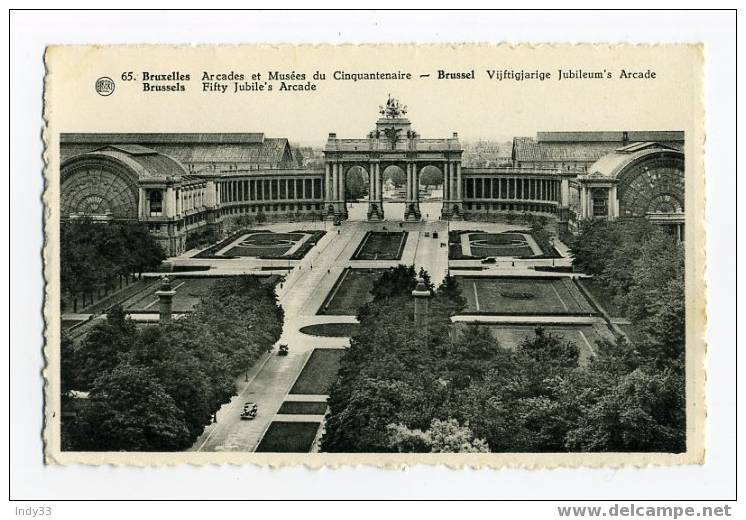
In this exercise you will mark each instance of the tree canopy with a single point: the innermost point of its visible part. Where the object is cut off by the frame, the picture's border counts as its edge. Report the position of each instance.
(93, 255)
(156, 387)
(356, 184)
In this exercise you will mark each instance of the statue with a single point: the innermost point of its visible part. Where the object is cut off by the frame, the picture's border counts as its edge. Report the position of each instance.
(393, 109)
(392, 134)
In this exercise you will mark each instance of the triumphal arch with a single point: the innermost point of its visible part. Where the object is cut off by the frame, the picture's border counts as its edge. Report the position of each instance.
(393, 142)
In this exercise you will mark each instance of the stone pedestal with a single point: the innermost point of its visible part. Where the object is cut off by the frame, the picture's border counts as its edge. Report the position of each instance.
(165, 296)
(421, 308)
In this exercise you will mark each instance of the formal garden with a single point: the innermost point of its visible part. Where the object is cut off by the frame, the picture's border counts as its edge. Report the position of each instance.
(483, 245)
(350, 291)
(512, 243)
(319, 373)
(381, 245)
(289, 437)
(263, 244)
(585, 337)
(524, 296)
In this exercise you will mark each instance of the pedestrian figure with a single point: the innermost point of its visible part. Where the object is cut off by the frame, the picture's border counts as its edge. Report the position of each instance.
(512, 264)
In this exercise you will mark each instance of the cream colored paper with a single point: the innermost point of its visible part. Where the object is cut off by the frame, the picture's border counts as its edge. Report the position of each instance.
(481, 108)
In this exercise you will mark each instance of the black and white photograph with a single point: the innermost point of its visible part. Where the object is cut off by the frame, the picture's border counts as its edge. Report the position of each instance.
(396, 290)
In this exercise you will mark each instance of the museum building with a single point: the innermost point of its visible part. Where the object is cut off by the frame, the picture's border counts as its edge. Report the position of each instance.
(185, 183)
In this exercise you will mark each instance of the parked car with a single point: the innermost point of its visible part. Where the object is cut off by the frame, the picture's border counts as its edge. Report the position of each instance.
(489, 260)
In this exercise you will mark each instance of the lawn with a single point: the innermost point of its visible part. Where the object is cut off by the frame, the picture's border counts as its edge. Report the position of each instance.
(265, 245)
(331, 330)
(381, 245)
(320, 372)
(350, 292)
(189, 292)
(499, 244)
(527, 296)
(288, 437)
(604, 300)
(303, 408)
(585, 337)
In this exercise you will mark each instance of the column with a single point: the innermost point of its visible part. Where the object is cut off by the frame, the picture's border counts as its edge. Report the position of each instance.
(612, 209)
(339, 191)
(451, 180)
(411, 181)
(446, 181)
(141, 203)
(332, 196)
(459, 181)
(327, 182)
(379, 184)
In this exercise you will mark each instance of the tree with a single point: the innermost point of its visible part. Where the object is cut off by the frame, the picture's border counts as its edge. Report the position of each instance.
(644, 412)
(395, 281)
(69, 365)
(129, 410)
(93, 255)
(431, 177)
(397, 176)
(356, 184)
(450, 289)
(361, 426)
(549, 351)
(443, 436)
(104, 347)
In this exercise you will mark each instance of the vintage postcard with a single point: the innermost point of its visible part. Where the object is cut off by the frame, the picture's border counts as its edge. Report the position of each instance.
(471, 255)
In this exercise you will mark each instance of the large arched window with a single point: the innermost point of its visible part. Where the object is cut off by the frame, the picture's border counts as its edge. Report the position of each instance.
(94, 187)
(655, 185)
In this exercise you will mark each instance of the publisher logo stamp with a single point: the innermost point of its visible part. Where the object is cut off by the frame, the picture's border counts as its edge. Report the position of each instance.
(104, 86)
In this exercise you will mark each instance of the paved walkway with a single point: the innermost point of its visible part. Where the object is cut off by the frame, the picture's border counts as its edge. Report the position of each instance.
(301, 294)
